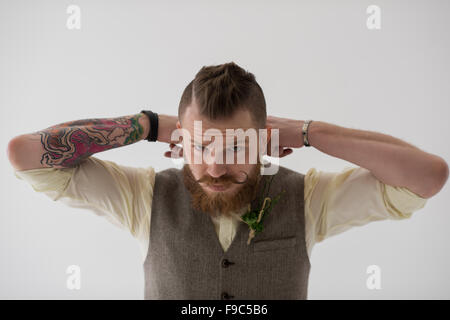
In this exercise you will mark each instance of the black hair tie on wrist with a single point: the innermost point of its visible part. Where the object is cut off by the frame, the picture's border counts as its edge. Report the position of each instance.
(153, 117)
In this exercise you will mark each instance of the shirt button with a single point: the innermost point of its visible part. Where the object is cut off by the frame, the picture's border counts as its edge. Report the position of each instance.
(226, 296)
(226, 263)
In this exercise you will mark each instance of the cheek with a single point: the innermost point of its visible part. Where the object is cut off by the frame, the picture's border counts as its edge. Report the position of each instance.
(247, 168)
(238, 174)
(192, 156)
(197, 171)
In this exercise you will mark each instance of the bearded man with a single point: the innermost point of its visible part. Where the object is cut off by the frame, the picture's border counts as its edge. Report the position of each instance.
(212, 230)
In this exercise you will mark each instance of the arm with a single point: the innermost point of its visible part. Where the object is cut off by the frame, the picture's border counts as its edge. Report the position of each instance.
(390, 160)
(65, 145)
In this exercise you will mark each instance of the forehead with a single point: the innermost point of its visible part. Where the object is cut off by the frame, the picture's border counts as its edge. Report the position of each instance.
(241, 119)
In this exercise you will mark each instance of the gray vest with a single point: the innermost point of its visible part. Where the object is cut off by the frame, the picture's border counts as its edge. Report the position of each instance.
(186, 261)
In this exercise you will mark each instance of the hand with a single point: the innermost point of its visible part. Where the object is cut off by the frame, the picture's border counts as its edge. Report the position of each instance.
(175, 152)
(289, 135)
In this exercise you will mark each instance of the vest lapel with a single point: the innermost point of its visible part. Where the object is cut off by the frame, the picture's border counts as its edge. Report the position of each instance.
(242, 228)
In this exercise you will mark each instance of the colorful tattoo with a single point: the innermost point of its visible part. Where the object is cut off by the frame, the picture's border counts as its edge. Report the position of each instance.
(68, 143)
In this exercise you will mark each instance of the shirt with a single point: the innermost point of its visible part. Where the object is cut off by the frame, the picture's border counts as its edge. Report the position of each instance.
(334, 201)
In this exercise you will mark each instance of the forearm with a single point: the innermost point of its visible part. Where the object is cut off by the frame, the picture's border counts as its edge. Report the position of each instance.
(391, 160)
(66, 144)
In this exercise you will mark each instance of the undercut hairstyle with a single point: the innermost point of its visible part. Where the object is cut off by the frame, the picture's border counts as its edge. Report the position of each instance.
(220, 90)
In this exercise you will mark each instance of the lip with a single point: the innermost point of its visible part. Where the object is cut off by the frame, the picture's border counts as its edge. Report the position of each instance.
(217, 187)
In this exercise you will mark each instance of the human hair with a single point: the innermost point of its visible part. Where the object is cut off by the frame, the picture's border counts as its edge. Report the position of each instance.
(220, 90)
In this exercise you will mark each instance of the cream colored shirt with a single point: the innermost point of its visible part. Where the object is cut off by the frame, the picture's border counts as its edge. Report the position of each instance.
(334, 201)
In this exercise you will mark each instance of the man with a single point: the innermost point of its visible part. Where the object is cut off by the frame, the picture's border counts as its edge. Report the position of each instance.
(193, 224)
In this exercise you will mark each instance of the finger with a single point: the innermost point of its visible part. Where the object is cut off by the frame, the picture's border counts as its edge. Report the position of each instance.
(170, 154)
(280, 152)
(286, 152)
(274, 154)
(176, 151)
(180, 139)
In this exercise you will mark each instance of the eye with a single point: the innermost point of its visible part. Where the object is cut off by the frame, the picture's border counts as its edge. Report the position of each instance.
(236, 148)
(198, 147)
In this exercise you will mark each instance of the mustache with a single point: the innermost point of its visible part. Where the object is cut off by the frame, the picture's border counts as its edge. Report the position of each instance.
(222, 180)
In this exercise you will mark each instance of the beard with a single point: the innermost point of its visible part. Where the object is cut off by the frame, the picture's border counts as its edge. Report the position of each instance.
(221, 203)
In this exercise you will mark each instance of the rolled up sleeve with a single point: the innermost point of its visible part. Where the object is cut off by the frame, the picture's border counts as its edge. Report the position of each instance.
(50, 181)
(338, 201)
(401, 202)
(121, 194)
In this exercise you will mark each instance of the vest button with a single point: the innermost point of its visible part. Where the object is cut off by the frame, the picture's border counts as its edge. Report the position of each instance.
(226, 263)
(226, 296)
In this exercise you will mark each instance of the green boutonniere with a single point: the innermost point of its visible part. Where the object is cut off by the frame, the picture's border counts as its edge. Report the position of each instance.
(255, 217)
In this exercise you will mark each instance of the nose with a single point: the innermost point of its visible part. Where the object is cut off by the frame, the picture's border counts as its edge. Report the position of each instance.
(216, 169)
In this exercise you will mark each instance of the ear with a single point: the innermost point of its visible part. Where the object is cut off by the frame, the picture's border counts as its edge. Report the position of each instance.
(269, 133)
(268, 137)
(179, 127)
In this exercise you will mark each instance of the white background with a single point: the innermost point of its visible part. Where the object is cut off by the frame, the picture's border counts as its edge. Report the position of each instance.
(313, 59)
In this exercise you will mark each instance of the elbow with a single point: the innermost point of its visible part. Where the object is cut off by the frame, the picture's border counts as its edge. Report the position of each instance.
(14, 150)
(442, 173)
(439, 178)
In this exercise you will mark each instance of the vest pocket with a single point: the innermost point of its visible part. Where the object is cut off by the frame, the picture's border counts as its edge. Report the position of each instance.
(274, 244)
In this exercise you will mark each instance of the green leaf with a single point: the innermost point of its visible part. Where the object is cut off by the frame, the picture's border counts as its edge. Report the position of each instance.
(251, 217)
(259, 227)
